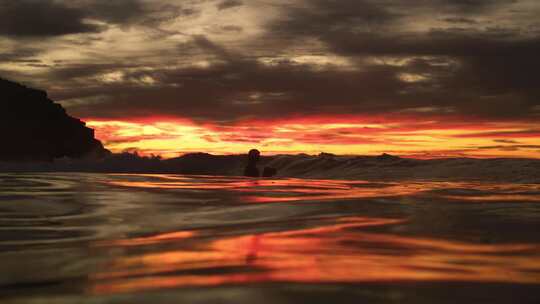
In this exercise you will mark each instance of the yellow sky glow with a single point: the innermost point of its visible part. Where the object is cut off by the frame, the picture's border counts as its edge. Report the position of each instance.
(170, 139)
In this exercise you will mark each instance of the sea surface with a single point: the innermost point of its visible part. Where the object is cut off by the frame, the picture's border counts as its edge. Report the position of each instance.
(140, 238)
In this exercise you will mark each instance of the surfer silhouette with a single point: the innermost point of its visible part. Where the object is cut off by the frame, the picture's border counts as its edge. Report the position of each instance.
(251, 169)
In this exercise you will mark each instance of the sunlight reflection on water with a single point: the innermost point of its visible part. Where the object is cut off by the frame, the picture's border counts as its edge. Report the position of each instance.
(334, 253)
(127, 233)
(290, 189)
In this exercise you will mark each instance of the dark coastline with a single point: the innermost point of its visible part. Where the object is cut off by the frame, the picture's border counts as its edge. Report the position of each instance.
(323, 166)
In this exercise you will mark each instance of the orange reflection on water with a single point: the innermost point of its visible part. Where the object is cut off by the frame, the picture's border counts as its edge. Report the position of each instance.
(332, 251)
(164, 185)
(292, 189)
(498, 197)
(165, 237)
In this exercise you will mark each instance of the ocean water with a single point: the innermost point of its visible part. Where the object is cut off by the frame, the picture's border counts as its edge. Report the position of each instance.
(139, 238)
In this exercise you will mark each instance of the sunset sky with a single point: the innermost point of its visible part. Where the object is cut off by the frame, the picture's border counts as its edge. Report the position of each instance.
(415, 78)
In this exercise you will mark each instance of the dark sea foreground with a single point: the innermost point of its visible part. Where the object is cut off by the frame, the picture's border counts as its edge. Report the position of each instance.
(111, 238)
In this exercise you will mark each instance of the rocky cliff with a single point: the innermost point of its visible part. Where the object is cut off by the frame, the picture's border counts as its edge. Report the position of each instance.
(34, 128)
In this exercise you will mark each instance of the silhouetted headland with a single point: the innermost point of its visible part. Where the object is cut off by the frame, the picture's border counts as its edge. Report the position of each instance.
(34, 128)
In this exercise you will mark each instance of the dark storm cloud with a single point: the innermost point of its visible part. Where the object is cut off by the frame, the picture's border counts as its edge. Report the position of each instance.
(130, 12)
(323, 18)
(453, 42)
(489, 71)
(21, 54)
(460, 20)
(74, 72)
(493, 72)
(473, 5)
(485, 69)
(231, 28)
(49, 18)
(115, 12)
(364, 27)
(229, 4)
(34, 18)
(240, 87)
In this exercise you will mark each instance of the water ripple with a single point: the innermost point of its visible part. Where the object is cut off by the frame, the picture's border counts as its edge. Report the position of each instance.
(109, 234)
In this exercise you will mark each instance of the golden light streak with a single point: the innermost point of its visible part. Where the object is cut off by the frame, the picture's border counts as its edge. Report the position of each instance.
(336, 252)
(170, 138)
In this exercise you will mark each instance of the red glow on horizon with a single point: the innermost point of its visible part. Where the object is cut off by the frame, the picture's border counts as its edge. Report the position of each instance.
(401, 134)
